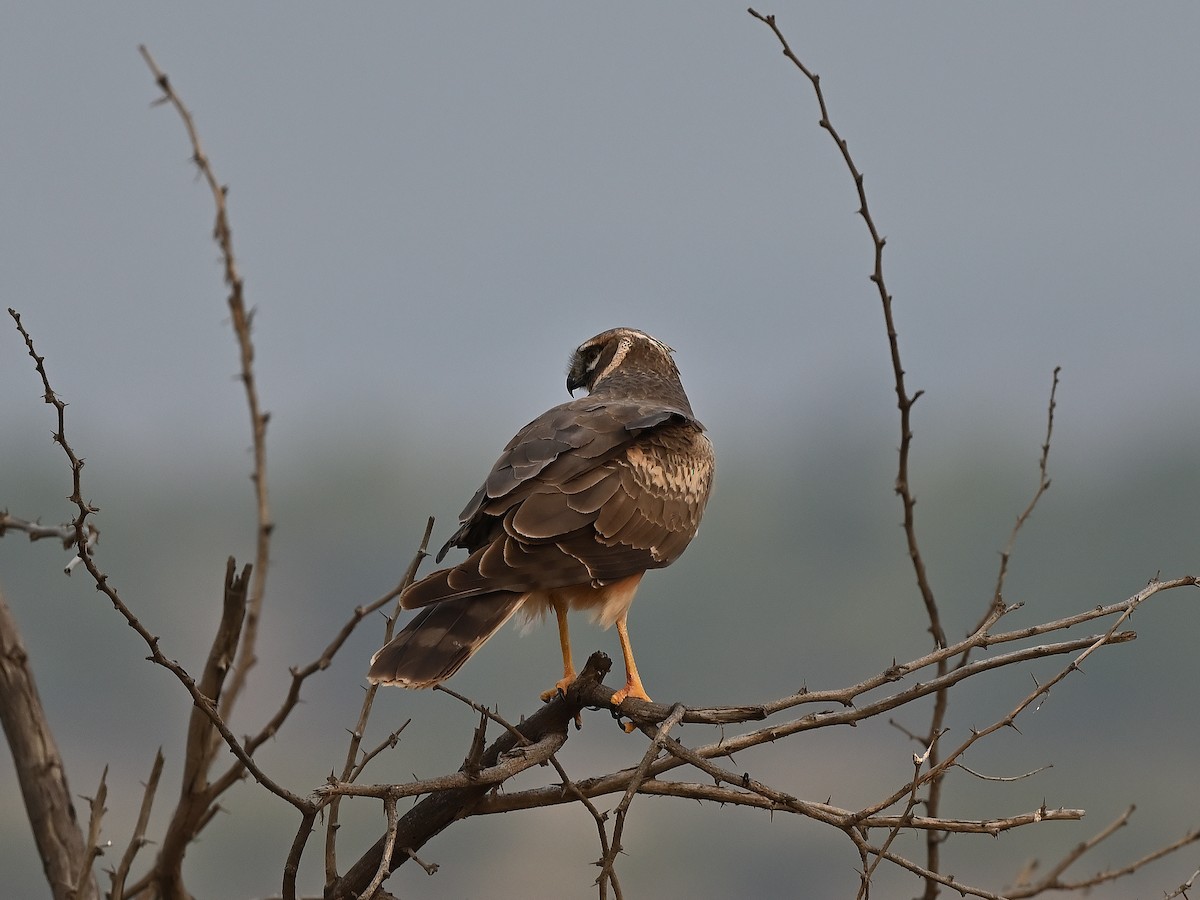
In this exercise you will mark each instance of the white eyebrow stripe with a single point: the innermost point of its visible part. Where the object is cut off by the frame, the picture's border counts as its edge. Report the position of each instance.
(618, 358)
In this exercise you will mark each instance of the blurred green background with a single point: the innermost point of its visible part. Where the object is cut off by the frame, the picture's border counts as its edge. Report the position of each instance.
(432, 207)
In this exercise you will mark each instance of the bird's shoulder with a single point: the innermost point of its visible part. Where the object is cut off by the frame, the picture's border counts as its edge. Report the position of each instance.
(572, 439)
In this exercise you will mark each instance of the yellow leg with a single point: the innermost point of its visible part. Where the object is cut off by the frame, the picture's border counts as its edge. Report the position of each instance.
(564, 640)
(633, 682)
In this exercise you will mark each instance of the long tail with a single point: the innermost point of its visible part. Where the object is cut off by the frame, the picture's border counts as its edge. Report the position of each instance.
(441, 638)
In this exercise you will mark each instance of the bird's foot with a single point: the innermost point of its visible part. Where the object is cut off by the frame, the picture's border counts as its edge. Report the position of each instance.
(560, 687)
(632, 689)
(637, 692)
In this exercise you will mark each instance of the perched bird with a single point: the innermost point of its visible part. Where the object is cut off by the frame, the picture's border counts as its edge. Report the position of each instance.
(583, 500)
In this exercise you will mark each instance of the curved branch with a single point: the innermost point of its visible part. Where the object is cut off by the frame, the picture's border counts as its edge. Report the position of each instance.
(904, 400)
(242, 320)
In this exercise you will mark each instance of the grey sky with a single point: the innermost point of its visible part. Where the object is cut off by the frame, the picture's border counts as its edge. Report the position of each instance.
(432, 205)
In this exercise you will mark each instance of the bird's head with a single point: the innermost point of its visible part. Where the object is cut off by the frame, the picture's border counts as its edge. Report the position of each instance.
(622, 355)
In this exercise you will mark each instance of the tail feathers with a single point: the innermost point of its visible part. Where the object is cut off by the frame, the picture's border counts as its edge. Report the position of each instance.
(433, 588)
(441, 638)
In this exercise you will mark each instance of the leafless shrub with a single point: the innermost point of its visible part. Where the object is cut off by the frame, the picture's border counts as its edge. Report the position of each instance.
(668, 766)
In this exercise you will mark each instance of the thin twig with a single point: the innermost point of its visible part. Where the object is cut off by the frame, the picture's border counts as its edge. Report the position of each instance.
(1043, 485)
(864, 890)
(430, 868)
(92, 851)
(845, 818)
(904, 402)
(299, 675)
(36, 530)
(138, 839)
(352, 766)
(389, 807)
(547, 728)
(931, 877)
(600, 819)
(483, 711)
(104, 585)
(1182, 890)
(388, 743)
(640, 774)
(1004, 778)
(1041, 690)
(291, 866)
(1052, 880)
(242, 320)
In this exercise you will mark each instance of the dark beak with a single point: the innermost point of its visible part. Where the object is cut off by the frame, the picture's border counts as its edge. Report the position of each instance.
(575, 380)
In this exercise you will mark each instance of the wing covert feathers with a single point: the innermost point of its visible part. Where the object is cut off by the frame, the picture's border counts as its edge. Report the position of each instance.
(635, 508)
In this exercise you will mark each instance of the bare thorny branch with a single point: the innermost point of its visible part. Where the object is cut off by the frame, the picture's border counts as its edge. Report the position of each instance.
(65, 534)
(203, 703)
(934, 779)
(905, 402)
(537, 738)
(237, 631)
(242, 321)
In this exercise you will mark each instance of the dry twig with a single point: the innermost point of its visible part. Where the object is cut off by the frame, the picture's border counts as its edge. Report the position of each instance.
(138, 839)
(242, 321)
(85, 879)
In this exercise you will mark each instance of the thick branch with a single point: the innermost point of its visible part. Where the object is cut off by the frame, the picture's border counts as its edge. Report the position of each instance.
(545, 729)
(202, 741)
(39, 767)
